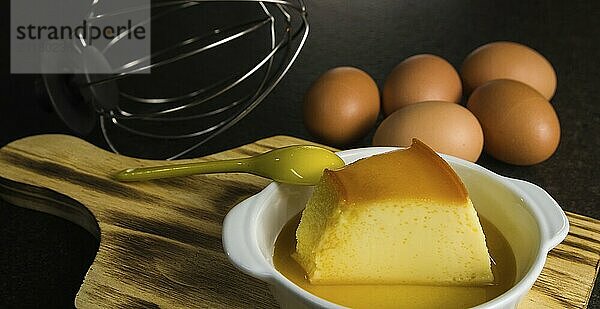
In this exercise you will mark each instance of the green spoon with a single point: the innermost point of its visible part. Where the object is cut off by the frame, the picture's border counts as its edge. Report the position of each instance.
(301, 165)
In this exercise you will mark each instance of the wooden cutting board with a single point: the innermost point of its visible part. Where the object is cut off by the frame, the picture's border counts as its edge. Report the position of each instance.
(160, 241)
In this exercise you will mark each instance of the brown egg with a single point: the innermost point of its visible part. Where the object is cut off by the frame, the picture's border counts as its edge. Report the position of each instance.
(341, 106)
(519, 124)
(446, 127)
(508, 60)
(421, 78)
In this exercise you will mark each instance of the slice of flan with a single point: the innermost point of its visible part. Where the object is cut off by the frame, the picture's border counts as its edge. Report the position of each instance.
(402, 217)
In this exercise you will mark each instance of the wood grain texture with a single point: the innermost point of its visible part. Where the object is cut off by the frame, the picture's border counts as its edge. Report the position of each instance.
(160, 241)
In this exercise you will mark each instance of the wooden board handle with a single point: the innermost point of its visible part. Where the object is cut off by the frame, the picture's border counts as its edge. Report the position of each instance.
(160, 241)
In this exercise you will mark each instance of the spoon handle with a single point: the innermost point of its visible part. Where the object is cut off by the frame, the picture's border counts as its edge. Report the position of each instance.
(184, 169)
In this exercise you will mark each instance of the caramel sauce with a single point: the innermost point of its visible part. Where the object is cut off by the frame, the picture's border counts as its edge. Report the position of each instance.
(418, 174)
(401, 296)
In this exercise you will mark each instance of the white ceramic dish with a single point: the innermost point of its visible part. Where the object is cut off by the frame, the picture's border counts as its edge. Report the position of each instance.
(531, 221)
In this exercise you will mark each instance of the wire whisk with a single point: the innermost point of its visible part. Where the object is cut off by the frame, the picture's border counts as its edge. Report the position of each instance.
(212, 63)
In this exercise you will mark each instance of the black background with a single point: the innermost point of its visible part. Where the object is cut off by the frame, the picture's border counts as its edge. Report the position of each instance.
(43, 259)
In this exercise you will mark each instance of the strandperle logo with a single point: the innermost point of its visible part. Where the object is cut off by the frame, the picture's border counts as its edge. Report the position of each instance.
(85, 32)
(75, 36)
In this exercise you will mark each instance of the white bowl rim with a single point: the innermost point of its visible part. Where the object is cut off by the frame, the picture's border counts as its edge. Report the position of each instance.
(521, 188)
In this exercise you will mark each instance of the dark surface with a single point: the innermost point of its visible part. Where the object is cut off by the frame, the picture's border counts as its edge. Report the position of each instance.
(43, 259)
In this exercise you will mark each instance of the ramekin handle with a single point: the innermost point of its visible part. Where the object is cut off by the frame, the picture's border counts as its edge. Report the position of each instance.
(555, 225)
(240, 245)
